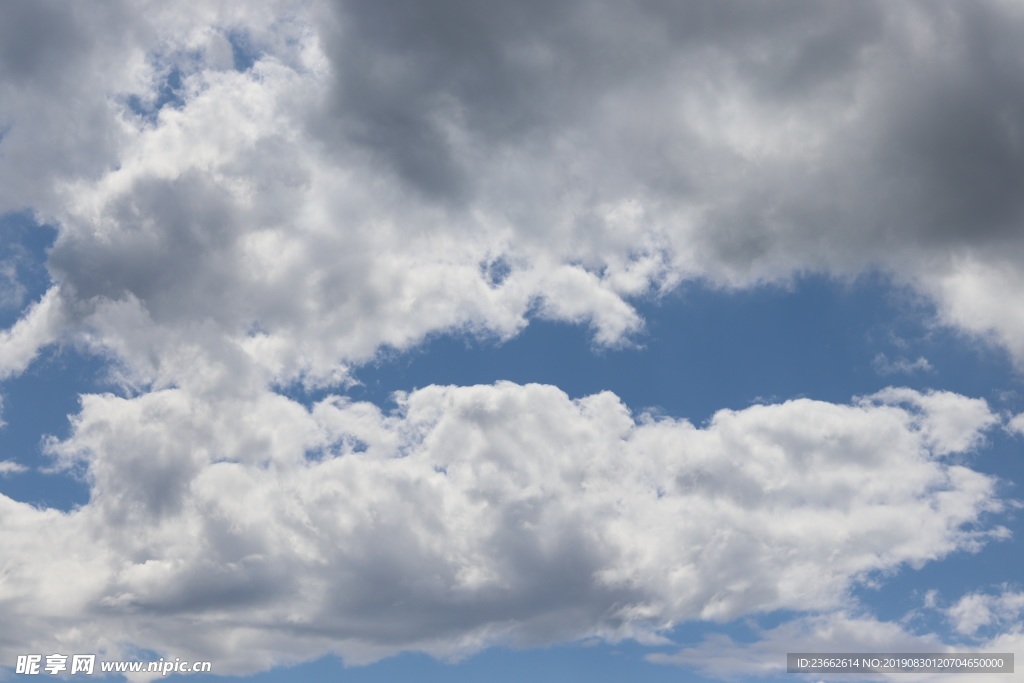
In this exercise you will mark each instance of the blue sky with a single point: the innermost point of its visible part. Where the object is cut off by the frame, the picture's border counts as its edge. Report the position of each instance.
(598, 342)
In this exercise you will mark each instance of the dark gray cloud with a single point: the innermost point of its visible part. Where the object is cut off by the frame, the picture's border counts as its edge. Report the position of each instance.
(918, 108)
(40, 41)
(176, 232)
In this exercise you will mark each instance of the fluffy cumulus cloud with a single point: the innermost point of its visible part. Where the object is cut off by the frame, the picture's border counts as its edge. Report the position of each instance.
(289, 187)
(252, 195)
(1016, 424)
(471, 516)
(977, 611)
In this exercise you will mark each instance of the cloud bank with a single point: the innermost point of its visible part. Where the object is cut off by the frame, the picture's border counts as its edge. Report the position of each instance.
(249, 197)
(472, 516)
(290, 187)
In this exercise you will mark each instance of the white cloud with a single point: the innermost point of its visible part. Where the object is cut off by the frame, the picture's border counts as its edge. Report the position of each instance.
(10, 466)
(41, 325)
(1016, 424)
(948, 422)
(884, 366)
(978, 295)
(220, 527)
(979, 610)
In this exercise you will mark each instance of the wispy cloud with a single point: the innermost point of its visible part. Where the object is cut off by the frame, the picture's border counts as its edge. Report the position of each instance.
(900, 365)
(12, 291)
(11, 467)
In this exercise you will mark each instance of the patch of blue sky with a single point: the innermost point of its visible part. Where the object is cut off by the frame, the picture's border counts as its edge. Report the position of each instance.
(172, 70)
(705, 349)
(244, 52)
(496, 271)
(168, 94)
(23, 245)
(38, 404)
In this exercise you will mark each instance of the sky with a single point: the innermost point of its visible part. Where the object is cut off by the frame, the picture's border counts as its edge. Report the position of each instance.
(454, 341)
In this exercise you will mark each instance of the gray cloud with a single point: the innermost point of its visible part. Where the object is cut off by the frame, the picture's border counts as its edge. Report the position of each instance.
(39, 40)
(601, 151)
